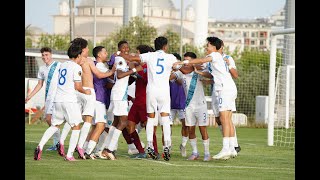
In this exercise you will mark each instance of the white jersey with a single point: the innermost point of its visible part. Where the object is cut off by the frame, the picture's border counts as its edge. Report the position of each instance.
(193, 88)
(232, 64)
(69, 73)
(220, 72)
(102, 67)
(159, 69)
(49, 74)
(119, 90)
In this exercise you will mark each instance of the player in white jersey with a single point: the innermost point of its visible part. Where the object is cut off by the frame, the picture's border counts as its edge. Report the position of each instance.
(158, 91)
(196, 105)
(119, 103)
(48, 74)
(223, 95)
(66, 107)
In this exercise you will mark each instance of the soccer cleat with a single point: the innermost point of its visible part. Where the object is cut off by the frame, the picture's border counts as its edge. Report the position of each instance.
(233, 153)
(166, 154)
(90, 156)
(183, 151)
(207, 157)
(100, 155)
(52, 148)
(194, 156)
(80, 152)
(223, 154)
(238, 149)
(151, 153)
(69, 158)
(37, 153)
(110, 155)
(133, 151)
(140, 156)
(60, 149)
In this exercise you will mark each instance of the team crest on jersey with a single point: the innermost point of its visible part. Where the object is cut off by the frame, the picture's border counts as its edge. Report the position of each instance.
(120, 62)
(79, 73)
(144, 70)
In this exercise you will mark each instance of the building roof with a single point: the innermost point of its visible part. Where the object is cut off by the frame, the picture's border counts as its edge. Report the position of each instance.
(103, 28)
(166, 4)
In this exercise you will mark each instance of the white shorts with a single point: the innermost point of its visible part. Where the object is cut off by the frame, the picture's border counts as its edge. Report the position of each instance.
(48, 106)
(197, 114)
(175, 112)
(100, 113)
(110, 119)
(87, 102)
(119, 108)
(158, 102)
(223, 100)
(66, 111)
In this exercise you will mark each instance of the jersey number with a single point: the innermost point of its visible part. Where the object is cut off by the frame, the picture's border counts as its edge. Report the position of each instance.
(62, 78)
(161, 66)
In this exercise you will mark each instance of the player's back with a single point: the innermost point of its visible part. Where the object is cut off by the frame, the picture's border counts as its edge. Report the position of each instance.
(68, 73)
(159, 68)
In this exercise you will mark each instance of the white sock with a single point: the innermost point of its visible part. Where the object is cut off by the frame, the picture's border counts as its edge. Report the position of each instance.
(184, 141)
(193, 143)
(131, 146)
(114, 139)
(139, 128)
(102, 139)
(47, 135)
(108, 140)
(64, 133)
(235, 136)
(225, 143)
(84, 133)
(85, 145)
(149, 131)
(90, 146)
(56, 137)
(73, 142)
(166, 131)
(206, 146)
(231, 143)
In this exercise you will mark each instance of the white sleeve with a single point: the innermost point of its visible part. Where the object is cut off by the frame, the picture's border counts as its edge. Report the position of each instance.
(41, 74)
(77, 73)
(121, 64)
(145, 57)
(215, 56)
(102, 67)
(232, 63)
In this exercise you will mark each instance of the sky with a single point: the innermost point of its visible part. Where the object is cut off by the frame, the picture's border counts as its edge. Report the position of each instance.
(40, 12)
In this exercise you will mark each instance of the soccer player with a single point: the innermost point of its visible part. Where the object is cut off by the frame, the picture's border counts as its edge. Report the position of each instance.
(100, 113)
(234, 73)
(119, 102)
(48, 74)
(158, 91)
(223, 95)
(196, 105)
(66, 107)
(178, 104)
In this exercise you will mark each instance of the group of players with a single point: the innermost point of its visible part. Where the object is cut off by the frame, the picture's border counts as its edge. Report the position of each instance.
(94, 94)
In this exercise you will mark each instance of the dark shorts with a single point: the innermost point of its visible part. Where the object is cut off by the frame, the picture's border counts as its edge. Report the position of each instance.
(137, 113)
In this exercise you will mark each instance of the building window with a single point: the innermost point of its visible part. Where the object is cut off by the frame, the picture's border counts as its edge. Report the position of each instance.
(252, 42)
(101, 12)
(262, 43)
(113, 11)
(90, 11)
(162, 13)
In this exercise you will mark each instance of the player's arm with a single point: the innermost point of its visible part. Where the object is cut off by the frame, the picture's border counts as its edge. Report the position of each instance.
(203, 73)
(232, 67)
(194, 61)
(78, 87)
(35, 90)
(133, 69)
(98, 73)
(129, 57)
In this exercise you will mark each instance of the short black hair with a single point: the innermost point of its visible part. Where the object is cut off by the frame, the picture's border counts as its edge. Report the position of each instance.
(74, 51)
(96, 50)
(214, 41)
(82, 43)
(45, 49)
(190, 54)
(177, 56)
(122, 42)
(159, 42)
(144, 48)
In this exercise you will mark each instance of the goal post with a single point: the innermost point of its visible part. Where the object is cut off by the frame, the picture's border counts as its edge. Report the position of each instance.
(281, 85)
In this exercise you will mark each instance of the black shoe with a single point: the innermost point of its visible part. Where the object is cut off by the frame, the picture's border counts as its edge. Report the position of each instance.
(238, 149)
(166, 154)
(151, 153)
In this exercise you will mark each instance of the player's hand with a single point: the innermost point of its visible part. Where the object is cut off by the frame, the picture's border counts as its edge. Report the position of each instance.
(227, 60)
(87, 91)
(196, 70)
(113, 68)
(139, 68)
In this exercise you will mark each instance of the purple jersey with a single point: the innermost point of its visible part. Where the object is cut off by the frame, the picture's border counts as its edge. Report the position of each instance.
(102, 94)
(178, 98)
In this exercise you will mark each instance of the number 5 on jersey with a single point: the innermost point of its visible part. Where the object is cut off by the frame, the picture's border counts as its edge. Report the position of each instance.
(160, 65)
